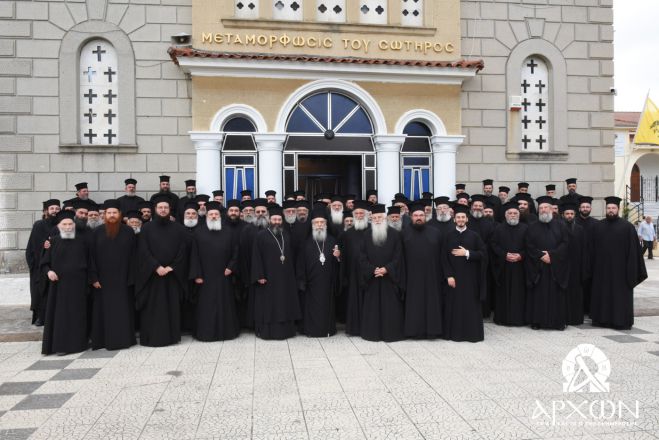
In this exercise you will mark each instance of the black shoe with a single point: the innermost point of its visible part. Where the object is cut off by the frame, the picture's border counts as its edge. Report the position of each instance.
(38, 322)
(535, 327)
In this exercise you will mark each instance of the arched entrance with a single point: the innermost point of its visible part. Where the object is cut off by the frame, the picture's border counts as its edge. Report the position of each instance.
(329, 148)
(635, 184)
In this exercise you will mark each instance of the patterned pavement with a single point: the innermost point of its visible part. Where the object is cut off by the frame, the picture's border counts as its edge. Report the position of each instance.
(336, 388)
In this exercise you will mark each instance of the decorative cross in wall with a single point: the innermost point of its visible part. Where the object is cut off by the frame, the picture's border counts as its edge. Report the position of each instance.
(90, 115)
(109, 135)
(109, 73)
(525, 85)
(526, 141)
(90, 135)
(110, 115)
(540, 85)
(526, 103)
(540, 121)
(532, 65)
(90, 73)
(90, 95)
(98, 52)
(110, 95)
(526, 121)
(540, 141)
(540, 104)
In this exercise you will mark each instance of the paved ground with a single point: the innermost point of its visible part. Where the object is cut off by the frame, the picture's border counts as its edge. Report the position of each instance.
(510, 386)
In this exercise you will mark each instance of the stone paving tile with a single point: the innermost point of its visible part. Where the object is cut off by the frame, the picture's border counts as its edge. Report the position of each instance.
(16, 434)
(625, 338)
(25, 419)
(42, 401)
(98, 354)
(50, 364)
(61, 432)
(76, 374)
(12, 388)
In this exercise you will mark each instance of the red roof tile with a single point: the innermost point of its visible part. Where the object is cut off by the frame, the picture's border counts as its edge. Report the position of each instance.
(177, 52)
(626, 119)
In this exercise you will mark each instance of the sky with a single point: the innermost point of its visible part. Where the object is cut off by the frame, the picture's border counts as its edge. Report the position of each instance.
(636, 59)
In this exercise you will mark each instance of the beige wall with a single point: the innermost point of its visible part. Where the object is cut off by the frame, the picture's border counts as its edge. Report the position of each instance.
(441, 25)
(210, 94)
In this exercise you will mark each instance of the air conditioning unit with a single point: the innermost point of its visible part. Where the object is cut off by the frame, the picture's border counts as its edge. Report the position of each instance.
(515, 103)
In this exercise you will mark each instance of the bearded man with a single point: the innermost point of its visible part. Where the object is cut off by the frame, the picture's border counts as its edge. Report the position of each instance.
(394, 219)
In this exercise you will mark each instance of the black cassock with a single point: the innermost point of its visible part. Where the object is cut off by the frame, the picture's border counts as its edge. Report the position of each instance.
(41, 230)
(546, 301)
(383, 312)
(510, 278)
(424, 281)
(319, 283)
(158, 298)
(463, 315)
(113, 305)
(213, 252)
(246, 288)
(588, 224)
(443, 227)
(127, 204)
(579, 259)
(484, 227)
(617, 268)
(276, 306)
(350, 244)
(65, 328)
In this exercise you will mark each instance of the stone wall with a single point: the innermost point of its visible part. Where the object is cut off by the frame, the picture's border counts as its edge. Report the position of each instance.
(33, 168)
(583, 33)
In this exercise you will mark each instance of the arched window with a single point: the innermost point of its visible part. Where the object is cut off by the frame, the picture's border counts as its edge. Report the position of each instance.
(327, 112)
(534, 90)
(416, 160)
(287, 10)
(239, 158)
(411, 13)
(99, 94)
(331, 11)
(373, 11)
(248, 9)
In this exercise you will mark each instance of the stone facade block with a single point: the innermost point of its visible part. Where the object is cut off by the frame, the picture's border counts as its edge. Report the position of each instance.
(577, 84)
(33, 162)
(471, 118)
(15, 143)
(148, 107)
(149, 144)
(578, 120)
(8, 240)
(161, 14)
(50, 182)
(15, 104)
(45, 68)
(12, 28)
(37, 86)
(7, 124)
(601, 120)
(15, 181)
(7, 48)
(65, 162)
(565, 36)
(586, 138)
(148, 72)
(494, 83)
(130, 163)
(134, 18)
(187, 163)
(78, 12)
(184, 126)
(111, 181)
(46, 31)
(469, 154)
(115, 13)
(30, 201)
(600, 50)
(506, 171)
(45, 105)
(586, 32)
(46, 143)
(536, 27)
(32, 10)
(184, 15)
(45, 48)
(7, 9)
(155, 89)
(504, 34)
(487, 136)
(574, 14)
(494, 118)
(98, 162)
(583, 67)
(162, 163)
(37, 124)
(177, 144)
(487, 101)
(90, 178)
(493, 47)
(156, 125)
(7, 162)
(148, 32)
(492, 154)
(600, 15)
(495, 11)
(601, 155)
(59, 15)
(536, 172)
(7, 200)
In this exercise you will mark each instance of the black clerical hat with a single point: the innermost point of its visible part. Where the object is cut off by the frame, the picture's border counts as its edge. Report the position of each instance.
(524, 196)
(202, 198)
(442, 200)
(462, 196)
(303, 204)
(347, 213)
(362, 204)
(570, 180)
(260, 202)
(510, 205)
(133, 214)
(145, 204)
(81, 204)
(190, 182)
(460, 186)
(400, 196)
(271, 192)
(504, 189)
(371, 192)
(585, 199)
(393, 210)
(337, 199)
(489, 204)
(218, 192)
(164, 178)
(111, 203)
(81, 185)
(213, 206)
(349, 197)
(318, 211)
(523, 185)
(246, 192)
(130, 181)
(287, 204)
(275, 210)
(478, 198)
(567, 206)
(246, 204)
(233, 203)
(64, 214)
(51, 202)
(161, 199)
(377, 208)
(613, 200)
(416, 206)
(299, 192)
(426, 195)
(545, 199)
(458, 208)
(190, 205)
(488, 182)
(550, 187)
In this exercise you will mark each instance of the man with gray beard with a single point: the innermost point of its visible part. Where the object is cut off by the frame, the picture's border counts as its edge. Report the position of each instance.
(276, 307)
(93, 217)
(335, 225)
(130, 201)
(349, 303)
(382, 280)
(442, 221)
(317, 275)
(507, 263)
(547, 269)
(394, 219)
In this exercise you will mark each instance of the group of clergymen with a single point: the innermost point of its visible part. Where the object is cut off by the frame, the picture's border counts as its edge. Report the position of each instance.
(430, 268)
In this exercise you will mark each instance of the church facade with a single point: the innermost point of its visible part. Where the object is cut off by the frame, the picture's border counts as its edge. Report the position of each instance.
(325, 96)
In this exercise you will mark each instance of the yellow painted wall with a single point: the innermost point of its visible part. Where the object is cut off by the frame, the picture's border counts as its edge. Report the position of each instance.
(210, 94)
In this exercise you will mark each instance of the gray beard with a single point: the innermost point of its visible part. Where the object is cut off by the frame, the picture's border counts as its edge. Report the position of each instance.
(546, 217)
(428, 217)
(131, 194)
(477, 214)
(360, 225)
(93, 224)
(137, 230)
(290, 219)
(379, 233)
(67, 235)
(190, 222)
(276, 229)
(249, 219)
(261, 222)
(444, 217)
(512, 221)
(396, 225)
(319, 234)
(214, 225)
(337, 217)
